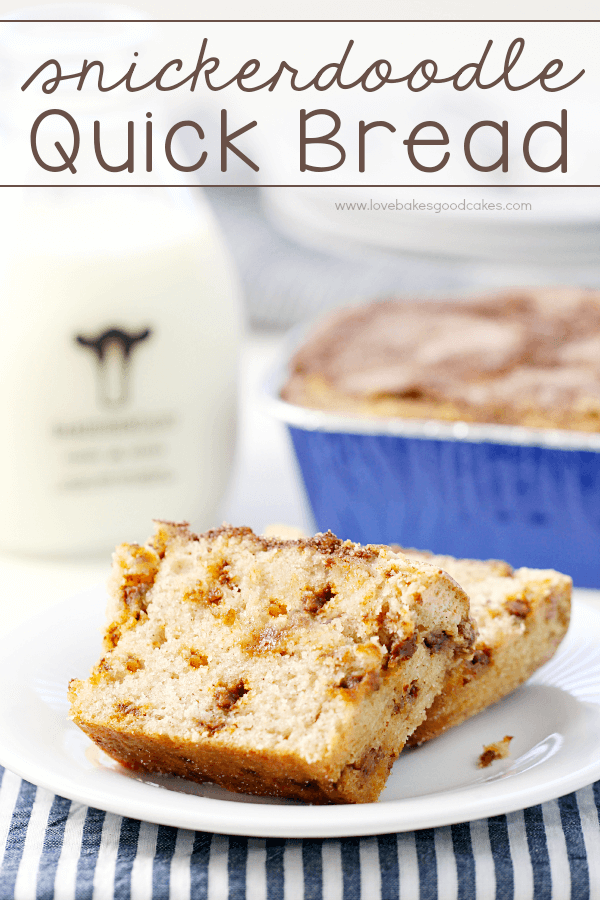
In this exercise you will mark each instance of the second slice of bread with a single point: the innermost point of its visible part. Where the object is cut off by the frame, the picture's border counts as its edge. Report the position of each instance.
(521, 616)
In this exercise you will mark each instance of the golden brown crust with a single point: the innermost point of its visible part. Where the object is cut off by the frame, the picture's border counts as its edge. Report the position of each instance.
(314, 393)
(326, 543)
(525, 357)
(247, 772)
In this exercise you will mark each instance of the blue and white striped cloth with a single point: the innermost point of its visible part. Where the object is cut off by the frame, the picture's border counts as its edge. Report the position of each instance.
(55, 849)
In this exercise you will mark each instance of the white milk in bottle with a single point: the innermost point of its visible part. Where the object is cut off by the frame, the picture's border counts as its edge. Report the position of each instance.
(118, 355)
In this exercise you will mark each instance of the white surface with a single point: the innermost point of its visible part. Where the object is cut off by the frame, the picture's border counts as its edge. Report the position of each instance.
(555, 720)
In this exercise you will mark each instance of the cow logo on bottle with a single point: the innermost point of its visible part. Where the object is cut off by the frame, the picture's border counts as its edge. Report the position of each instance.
(113, 350)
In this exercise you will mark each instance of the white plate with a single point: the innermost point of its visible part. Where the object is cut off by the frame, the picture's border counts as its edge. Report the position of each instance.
(555, 720)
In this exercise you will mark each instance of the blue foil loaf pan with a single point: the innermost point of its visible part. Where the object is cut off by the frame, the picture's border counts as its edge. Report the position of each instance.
(528, 496)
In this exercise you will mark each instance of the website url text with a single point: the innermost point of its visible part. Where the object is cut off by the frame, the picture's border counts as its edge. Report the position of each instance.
(415, 205)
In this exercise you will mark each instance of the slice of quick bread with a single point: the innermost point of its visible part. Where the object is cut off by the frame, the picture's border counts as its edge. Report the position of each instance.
(521, 616)
(294, 668)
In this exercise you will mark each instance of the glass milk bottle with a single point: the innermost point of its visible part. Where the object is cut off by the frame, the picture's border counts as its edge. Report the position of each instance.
(118, 355)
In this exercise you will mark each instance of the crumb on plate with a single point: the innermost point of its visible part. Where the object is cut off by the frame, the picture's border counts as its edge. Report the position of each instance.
(492, 752)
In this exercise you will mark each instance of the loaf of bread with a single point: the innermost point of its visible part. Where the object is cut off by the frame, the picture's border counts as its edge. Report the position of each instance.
(523, 357)
(293, 668)
(521, 617)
